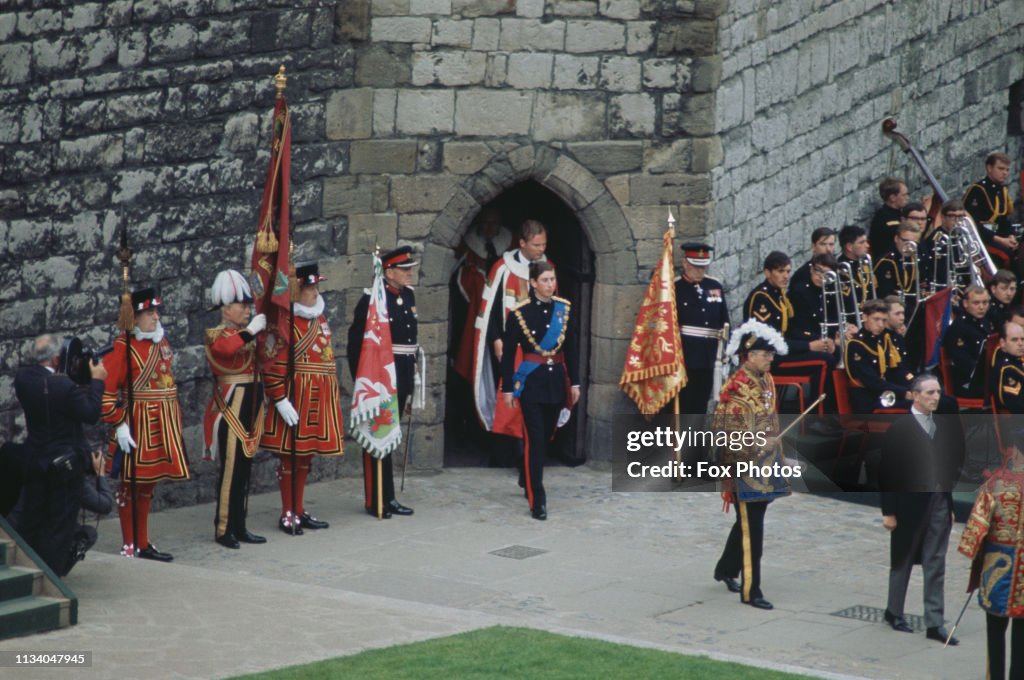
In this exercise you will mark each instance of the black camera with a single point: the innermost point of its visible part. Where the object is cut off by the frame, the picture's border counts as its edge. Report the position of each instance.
(75, 359)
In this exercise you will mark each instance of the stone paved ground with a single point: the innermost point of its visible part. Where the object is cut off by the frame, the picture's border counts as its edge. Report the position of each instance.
(627, 567)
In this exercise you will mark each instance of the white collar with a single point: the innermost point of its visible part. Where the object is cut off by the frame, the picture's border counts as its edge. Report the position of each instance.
(154, 336)
(476, 242)
(519, 265)
(313, 312)
(50, 369)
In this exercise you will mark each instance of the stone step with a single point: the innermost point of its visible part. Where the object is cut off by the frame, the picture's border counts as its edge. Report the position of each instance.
(27, 615)
(16, 582)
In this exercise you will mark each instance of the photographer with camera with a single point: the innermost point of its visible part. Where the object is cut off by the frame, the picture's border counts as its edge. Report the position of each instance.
(59, 394)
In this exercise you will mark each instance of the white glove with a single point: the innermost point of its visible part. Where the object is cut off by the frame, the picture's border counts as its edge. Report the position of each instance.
(124, 438)
(258, 323)
(288, 413)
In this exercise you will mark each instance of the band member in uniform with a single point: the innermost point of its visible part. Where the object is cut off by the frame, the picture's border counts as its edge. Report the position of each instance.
(874, 363)
(703, 312)
(964, 343)
(1002, 289)
(234, 417)
(992, 540)
(808, 325)
(823, 241)
(896, 273)
(507, 286)
(1007, 370)
(921, 461)
(398, 265)
(769, 304)
(747, 403)
(150, 437)
(546, 380)
(853, 242)
(989, 203)
(312, 423)
(895, 195)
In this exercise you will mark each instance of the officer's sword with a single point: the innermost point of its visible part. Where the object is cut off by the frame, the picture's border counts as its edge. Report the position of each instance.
(408, 443)
(962, 610)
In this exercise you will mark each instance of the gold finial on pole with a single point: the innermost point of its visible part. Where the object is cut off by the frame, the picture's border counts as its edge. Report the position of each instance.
(280, 81)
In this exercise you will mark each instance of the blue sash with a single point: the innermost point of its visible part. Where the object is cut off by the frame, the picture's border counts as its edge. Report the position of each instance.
(548, 343)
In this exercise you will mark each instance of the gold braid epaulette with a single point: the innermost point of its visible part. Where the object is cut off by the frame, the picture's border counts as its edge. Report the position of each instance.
(249, 349)
(533, 343)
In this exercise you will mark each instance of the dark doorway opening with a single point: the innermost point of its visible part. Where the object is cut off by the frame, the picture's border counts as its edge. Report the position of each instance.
(466, 443)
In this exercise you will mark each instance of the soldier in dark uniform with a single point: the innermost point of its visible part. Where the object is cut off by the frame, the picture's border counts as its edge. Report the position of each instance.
(1002, 289)
(964, 343)
(234, 416)
(823, 240)
(894, 194)
(895, 273)
(853, 244)
(398, 265)
(546, 380)
(874, 363)
(810, 321)
(1006, 376)
(702, 310)
(989, 203)
(769, 304)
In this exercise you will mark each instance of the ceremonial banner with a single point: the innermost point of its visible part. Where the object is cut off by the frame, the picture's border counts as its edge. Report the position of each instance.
(270, 256)
(374, 421)
(938, 315)
(654, 371)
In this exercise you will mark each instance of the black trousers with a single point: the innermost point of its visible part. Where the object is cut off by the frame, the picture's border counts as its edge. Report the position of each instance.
(540, 421)
(387, 475)
(235, 467)
(737, 561)
(996, 635)
(47, 512)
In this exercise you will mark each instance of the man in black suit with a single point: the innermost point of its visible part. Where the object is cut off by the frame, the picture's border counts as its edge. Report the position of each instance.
(55, 409)
(921, 460)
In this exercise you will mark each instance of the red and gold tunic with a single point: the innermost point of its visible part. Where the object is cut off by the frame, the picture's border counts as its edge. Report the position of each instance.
(233, 362)
(317, 397)
(156, 414)
(994, 538)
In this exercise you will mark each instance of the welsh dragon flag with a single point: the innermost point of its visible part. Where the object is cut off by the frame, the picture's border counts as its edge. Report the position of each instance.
(374, 421)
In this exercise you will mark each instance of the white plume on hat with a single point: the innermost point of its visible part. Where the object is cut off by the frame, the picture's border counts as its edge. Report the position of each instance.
(229, 286)
(761, 330)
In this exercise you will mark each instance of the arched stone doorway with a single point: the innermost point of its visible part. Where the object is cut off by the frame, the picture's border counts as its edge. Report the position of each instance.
(465, 442)
(608, 257)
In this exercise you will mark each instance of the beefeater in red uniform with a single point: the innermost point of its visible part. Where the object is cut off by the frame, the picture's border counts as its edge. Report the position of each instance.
(313, 421)
(151, 436)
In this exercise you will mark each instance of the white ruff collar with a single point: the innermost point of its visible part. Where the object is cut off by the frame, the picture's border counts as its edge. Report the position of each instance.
(518, 265)
(155, 336)
(313, 312)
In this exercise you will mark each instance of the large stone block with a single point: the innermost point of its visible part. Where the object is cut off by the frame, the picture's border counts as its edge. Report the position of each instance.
(465, 158)
(693, 38)
(609, 157)
(615, 307)
(524, 35)
(383, 156)
(529, 70)
(697, 115)
(639, 36)
(432, 302)
(632, 114)
(425, 111)
(347, 195)
(574, 182)
(421, 193)
(349, 114)
(384, 66)
(173, 42)
(575, 73)
(620, 9)
(384, 104)
(98, 151)
(352, 19)
(706, 73)
(482, 8)
(610, 238)
(449, 68)
(559, 116)
(648, 222)
(437, 265)
(350, 273)
(486, 34)
(453, 33)
(674, 157)
(415, 225)
(620, 74)
(367, 231)
(574, 8)
(668, 189)
(489, 113)
(594, 36)
(442, 7)
(607, 357)
(530, 8)
(400, 29)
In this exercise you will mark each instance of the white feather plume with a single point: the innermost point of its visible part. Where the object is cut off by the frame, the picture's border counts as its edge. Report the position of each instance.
(761, 330)
(229, 286)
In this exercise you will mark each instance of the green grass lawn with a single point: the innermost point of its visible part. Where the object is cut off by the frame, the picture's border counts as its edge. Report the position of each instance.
(503, 652)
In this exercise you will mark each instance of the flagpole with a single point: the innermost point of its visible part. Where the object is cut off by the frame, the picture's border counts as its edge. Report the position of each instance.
(126, 321)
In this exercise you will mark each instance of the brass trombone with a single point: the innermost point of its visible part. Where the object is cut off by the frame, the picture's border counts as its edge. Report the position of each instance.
(908, 264)
(831, 292)
(844, 276)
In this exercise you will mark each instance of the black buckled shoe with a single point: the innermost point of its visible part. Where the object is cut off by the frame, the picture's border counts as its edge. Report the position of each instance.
(540, 512)
(397, 508)
(289, 526)
(373, 513)
(941, 634)
(151, 553)
(898, 623)
(307, 521)
(228, 541)
(246, 536)
(761, 603)
(732, 584)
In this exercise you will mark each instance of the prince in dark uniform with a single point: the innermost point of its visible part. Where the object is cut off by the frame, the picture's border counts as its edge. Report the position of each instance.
(702, 311)
(398, 265)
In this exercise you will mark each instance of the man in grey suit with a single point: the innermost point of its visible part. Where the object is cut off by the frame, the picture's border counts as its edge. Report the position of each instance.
(921, 459)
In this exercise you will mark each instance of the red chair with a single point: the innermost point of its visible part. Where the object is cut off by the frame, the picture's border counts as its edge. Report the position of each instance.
(964, 403)
(851, 422)
(797, 381)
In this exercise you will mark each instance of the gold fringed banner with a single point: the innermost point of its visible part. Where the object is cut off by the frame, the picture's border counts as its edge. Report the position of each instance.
(654, 371)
